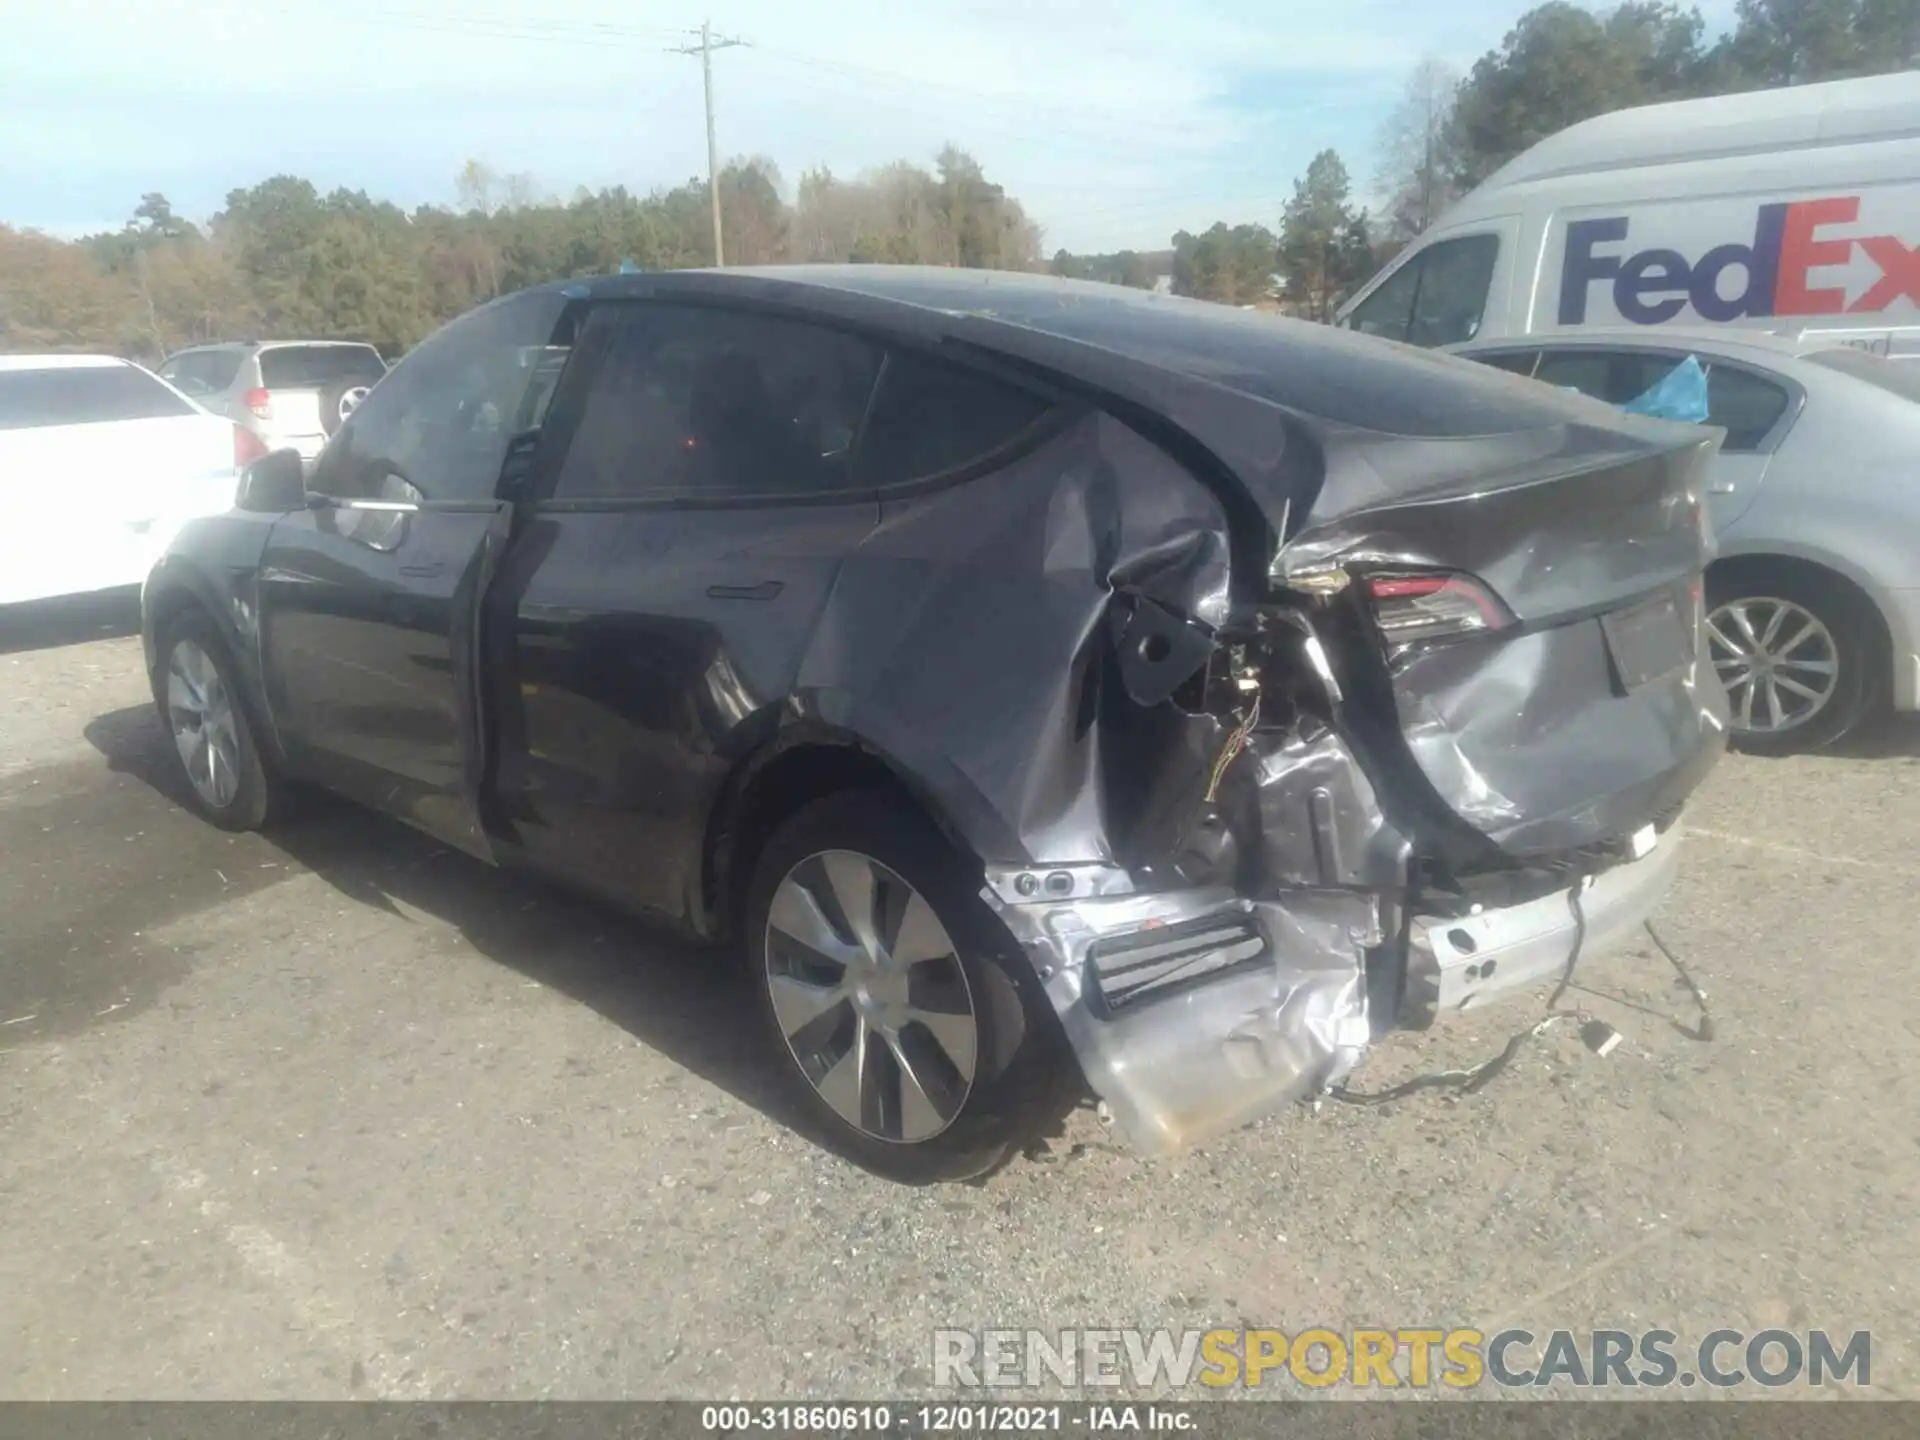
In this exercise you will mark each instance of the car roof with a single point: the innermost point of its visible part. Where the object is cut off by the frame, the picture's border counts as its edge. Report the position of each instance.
(1124, 342)
(59, 362)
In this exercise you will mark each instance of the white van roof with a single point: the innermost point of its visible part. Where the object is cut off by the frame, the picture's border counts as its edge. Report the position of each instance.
(1881, 107)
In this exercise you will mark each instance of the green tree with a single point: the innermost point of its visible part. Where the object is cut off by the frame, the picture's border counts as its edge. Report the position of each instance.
(1323, 239)
(1790, 42)
(1561, 64)
(1231, 264)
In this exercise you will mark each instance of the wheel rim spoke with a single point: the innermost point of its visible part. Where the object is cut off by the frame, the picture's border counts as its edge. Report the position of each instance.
(869, 993)
(798, 1003)
(956, 1035)
(1780, 666)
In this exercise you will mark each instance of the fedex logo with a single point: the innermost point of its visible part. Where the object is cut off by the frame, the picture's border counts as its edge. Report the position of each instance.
(1770, 276)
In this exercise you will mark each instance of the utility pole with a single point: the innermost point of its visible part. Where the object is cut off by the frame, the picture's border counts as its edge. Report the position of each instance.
(705, 50)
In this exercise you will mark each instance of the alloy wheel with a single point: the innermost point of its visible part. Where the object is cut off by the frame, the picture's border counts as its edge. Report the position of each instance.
(1778, 661)
(205, 731)
(868, 990)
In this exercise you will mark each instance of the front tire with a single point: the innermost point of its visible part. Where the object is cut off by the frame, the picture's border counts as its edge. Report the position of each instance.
(1794, 655)
(204, 712)
(908, 1027)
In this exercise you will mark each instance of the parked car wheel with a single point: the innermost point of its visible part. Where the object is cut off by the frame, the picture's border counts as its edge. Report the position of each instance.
(905, 1026)
(205, 717)
(1794, 654)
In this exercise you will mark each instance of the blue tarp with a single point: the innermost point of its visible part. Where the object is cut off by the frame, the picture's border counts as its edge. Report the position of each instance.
(1681, 394)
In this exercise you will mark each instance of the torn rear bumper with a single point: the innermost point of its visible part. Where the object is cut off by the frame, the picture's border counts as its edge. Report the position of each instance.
(1456, 963)
(1194, 1012)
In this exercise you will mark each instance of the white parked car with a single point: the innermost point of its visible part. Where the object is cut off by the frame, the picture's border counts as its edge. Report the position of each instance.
(100, 462)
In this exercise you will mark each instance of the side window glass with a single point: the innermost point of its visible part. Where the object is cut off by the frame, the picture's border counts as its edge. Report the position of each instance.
(930, 417)
(686, 400)
(1454, 280)
(1588, 371)
(1388, 311)
(1514, 362)
(438, 424)
(1744, 404)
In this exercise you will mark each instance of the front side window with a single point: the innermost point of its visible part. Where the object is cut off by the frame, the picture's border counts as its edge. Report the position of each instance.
(83, 395)
(1437, 297)
(698, 402)
(1388, 311)
(1455, 277)
(438, 425)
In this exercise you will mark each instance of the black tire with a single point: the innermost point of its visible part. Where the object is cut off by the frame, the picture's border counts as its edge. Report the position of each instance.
(256, 795)
(1760, 591)
(1021, 1083)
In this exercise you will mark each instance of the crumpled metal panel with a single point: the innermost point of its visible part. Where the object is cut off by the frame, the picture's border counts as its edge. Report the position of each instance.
(1198, 1062)
(1320, 821)
(969, 637)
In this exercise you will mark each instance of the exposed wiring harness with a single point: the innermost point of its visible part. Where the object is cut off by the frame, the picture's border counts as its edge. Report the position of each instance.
(1236, 742)
(1477, 1077)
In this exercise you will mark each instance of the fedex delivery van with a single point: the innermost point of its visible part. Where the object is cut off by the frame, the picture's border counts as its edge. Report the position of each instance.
(1786, 210)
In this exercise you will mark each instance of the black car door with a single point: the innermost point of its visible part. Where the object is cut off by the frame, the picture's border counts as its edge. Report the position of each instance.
(369, 599)
(657, 607)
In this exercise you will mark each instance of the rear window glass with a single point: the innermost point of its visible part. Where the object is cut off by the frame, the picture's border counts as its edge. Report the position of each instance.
(83, 395)
(298, 367)
(930, 418)
(1898, 377)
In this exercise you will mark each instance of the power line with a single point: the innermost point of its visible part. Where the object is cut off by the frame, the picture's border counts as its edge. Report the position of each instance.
(708, 44)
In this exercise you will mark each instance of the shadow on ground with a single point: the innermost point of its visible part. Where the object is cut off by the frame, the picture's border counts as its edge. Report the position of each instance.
(689, 1003)
(69, 620)
(1886, 737)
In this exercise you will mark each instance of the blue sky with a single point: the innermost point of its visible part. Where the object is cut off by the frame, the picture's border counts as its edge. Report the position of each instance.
(1115, 122)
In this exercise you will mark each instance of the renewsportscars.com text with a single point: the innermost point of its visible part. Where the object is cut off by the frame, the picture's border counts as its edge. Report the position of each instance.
(1414, 1357)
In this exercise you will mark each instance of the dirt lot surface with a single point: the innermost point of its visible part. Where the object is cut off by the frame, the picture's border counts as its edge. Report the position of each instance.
(336, 1113)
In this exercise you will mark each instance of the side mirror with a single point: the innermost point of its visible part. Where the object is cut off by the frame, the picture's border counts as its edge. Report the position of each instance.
(274, 484)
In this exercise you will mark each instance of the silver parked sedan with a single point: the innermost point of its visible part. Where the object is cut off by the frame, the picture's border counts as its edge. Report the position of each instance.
(1814, 602)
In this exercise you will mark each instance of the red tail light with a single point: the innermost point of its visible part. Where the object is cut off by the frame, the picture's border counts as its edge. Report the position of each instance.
(247, 447)
(1434, 606)
(260, 402)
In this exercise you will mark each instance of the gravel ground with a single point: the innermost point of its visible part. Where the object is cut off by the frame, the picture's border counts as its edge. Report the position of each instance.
(339, 1114)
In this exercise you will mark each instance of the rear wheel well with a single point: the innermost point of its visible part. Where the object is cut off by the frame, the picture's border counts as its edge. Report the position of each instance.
(1762, 570)
(166, 605)
(770, 792)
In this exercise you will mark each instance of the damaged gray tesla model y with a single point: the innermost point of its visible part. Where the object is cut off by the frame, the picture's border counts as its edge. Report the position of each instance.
(993, 661)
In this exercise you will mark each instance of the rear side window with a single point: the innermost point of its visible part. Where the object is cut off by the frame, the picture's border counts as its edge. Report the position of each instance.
(930, 418)
(1436, 298)
(1745, 405)
(310, 367)
(83, 395)
(696, 402)
(202, 372)
(1514, 362)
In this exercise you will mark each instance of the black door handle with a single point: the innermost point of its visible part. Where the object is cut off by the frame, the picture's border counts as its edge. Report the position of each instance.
(422, 572)
(765, 590)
